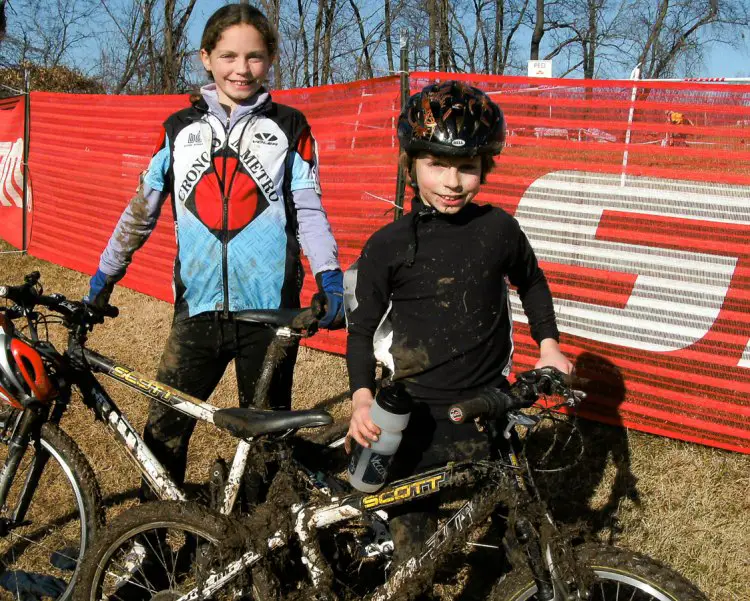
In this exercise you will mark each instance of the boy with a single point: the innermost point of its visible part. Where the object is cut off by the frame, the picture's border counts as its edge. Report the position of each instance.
(443, 269)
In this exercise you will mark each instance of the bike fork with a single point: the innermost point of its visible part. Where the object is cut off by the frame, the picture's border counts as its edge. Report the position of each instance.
(16, 449)
(530, 541)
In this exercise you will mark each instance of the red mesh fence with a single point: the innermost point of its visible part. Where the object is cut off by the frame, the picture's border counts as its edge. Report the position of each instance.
(635, 195)
(637, 203)
(87, 153)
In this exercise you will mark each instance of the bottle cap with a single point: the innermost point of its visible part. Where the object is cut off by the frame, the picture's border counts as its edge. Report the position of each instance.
(395, 399)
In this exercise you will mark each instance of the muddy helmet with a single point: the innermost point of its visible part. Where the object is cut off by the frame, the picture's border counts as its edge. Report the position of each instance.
(452, 118)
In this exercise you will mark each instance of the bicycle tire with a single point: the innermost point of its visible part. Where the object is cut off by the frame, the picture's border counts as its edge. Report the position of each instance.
(62, 520)
(616, 569)
(113, 570)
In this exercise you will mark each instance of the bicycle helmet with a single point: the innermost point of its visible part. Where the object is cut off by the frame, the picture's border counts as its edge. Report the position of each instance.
(23, 376)
(452, 118)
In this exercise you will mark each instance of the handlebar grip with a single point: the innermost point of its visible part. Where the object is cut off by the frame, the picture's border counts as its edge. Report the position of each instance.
(490, 403)
(110, 311)
(466, 410)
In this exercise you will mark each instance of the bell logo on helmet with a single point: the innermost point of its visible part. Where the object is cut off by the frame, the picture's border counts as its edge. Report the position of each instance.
(458, 143)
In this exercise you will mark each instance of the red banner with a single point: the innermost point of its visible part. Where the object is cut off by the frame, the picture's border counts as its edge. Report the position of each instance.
(636, 199)
(11, 172)
(633, 194)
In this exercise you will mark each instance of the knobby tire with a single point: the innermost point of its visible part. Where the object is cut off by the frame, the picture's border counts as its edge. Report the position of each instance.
(63, 518)
(619, 574)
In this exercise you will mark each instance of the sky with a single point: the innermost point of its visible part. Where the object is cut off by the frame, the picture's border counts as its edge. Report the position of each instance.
(723, 61)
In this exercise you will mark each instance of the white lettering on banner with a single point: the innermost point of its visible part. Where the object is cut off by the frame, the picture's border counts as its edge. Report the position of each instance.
(11, 173)
(745, 359)
(677, 294)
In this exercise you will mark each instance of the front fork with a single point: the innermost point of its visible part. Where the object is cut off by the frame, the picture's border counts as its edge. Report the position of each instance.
(26, 429)
(530, 542)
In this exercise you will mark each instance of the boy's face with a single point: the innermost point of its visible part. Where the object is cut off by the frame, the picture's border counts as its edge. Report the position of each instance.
(448, 184)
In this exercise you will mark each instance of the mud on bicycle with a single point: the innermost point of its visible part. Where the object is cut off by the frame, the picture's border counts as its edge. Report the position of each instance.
(50, 499)
(315, 539)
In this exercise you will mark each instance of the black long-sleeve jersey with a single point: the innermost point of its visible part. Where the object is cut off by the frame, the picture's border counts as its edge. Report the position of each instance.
(446, 276)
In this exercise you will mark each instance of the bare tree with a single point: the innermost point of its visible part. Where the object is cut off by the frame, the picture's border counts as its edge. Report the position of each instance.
(538, 33)
(3, 20)
(305, 47)
(662, 32)
(364, 63)
(508, 20)
(149, 46)
(48, 32)
(174, 48)
(272, 10)
(388, 43)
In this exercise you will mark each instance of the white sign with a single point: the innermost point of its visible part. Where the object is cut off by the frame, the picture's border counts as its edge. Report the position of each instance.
(540, 68)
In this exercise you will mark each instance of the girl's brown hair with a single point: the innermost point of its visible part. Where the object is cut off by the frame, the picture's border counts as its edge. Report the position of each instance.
(406, 164)
(239, 14)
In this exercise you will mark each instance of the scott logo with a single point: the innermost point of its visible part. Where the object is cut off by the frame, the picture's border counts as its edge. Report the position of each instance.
(263, 137)
(458, 143)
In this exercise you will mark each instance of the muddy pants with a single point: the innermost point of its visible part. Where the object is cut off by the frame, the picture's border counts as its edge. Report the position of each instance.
(430, 440)
(195, 357)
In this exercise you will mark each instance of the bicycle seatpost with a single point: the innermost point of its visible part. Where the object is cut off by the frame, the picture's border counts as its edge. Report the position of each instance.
(282, 341)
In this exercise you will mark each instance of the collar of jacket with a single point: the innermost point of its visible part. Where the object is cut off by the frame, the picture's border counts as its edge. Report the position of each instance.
(257, 104)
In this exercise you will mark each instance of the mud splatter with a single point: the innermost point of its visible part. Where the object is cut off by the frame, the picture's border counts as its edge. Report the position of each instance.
(409, 361)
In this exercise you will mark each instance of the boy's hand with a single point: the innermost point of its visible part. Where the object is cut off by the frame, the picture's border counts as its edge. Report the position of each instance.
(361, 427)
(551, 355)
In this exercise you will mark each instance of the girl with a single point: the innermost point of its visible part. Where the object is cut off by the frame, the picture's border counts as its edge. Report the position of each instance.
(243, 177)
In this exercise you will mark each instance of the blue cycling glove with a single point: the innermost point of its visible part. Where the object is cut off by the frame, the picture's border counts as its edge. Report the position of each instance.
(100, 289)
(331, 286)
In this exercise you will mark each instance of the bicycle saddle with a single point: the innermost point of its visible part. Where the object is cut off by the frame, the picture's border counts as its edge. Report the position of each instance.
(245, 423)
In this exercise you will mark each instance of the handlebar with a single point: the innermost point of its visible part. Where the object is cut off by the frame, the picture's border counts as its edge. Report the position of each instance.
(524, 392)
(75, 313)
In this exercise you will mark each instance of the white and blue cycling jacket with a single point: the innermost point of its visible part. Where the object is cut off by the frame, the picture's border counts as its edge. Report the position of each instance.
(245, 195)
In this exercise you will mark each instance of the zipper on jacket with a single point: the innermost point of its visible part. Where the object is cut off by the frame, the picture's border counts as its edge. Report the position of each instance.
(226, 192)
(225, 222)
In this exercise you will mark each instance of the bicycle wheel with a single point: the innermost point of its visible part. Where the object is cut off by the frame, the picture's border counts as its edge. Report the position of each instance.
(159, 550)
(619, 574)
(41, 558)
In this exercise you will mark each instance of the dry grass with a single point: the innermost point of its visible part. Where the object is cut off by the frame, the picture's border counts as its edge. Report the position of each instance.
(693, 502)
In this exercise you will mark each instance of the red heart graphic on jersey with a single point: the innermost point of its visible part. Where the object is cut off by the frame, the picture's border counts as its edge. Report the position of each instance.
(243, 196)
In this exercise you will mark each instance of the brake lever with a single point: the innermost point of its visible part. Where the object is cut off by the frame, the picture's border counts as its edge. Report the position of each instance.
(516, 418)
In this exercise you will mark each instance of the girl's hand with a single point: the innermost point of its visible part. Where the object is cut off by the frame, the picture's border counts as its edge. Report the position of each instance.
(551, 355)
(361, 427)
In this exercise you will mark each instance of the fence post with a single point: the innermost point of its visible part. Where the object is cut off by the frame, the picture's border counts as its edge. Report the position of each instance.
(634, 75)
(26, 130)
(404, 74)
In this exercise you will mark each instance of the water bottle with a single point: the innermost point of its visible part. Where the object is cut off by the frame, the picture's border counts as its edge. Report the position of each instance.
(368, 467)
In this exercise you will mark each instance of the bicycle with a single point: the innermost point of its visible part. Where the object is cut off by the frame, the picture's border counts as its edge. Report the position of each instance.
(39, 520)
(334, 536)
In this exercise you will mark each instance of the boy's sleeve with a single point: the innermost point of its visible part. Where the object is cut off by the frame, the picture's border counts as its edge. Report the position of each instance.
(372, 293)
(139, 218)
(315, 233)
(536, 298)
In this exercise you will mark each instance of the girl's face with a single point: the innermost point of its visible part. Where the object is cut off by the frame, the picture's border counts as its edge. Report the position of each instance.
(239, 63)
(448, 183)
